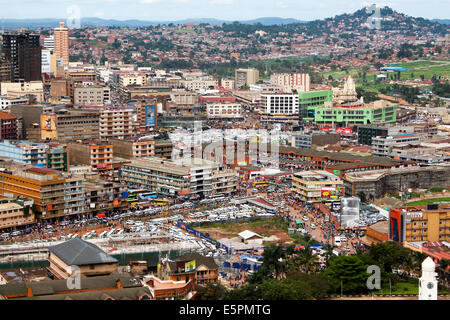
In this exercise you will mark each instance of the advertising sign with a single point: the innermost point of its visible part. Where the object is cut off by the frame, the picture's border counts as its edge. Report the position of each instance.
(344, 130)
(150, 116)
(332, 193)
(48, 127)
(189, 266)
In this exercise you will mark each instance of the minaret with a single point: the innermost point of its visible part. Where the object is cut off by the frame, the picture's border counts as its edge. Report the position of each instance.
(428, 286)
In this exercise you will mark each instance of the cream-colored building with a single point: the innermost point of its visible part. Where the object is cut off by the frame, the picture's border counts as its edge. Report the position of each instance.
(22, 89)
(91, 95)
(224, 110)
(132, 79)
(13, 214)
(427, 225)
(245, 77)
(309, 185)
(64, 258)
(117, 123)
(292, 81)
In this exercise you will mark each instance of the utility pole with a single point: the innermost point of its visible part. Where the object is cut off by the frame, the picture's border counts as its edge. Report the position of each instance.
(390, 287)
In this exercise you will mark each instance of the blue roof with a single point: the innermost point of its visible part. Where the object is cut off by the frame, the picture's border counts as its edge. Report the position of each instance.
(392, 69)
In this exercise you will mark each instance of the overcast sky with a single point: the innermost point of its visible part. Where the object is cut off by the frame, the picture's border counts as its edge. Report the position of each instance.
(156, 10)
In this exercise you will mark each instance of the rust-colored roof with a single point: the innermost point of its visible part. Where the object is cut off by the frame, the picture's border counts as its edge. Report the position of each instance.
(6, 116)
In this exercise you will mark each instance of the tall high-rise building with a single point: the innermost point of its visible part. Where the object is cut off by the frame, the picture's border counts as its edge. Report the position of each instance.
(245, 77)
(61, 43)
(49, 43)
(23, 53)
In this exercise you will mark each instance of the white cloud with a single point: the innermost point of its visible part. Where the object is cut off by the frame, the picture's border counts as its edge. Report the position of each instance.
(222, 2)
(281, 4)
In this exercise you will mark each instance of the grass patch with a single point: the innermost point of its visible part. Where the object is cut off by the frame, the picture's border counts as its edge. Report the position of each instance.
(405, 287)
(302, 240)
(437, 189)
(276, 224)
(399, 288)
(429, 201)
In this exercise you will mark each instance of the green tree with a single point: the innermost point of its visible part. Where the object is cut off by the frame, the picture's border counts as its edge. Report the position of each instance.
(212, 291)
(350, 271)
(390, 255)
(306, 259)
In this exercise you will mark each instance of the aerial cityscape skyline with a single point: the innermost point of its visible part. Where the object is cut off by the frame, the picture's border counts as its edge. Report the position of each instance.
(168, 10)
(262, 161)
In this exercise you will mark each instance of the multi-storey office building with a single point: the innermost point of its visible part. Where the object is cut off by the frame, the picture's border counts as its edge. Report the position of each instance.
(23, 52)
(57, 157)
(413, 224)
(24, 152)
(104, 197)
(224, 110)
(309, 101)
(279, 107)
(193, 178)
(142, 148)
(382, 146)
(292, 81)
(345, 115)
(8, 126)
(71, 125)
(6, 103)
(245, 77)
(93, 95)
(117, 123)
(94, 153)
(309, 185)
(15, 213)
(367, 133)
(17, 90)
(46, 187)
(61, 44)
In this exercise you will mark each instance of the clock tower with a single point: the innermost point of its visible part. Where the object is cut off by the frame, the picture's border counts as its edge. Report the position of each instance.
(427, 282)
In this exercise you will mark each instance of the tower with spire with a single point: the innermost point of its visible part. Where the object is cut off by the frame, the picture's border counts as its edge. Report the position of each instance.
(428, 286)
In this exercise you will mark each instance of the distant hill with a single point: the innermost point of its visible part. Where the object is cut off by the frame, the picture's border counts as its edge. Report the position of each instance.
(98, 22)
(442, 21)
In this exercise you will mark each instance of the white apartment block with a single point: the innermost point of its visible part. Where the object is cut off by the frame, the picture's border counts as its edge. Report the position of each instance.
(6, 102)
(132, 79)
(224, 110)
(227, 84)
(292, 81)
(382, 146)
(116, 124)
(201, 84)
(280, 104)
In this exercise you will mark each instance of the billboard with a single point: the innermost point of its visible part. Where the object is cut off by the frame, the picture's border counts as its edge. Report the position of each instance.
(48, 127)
(344, 130)
(332, 193)
(189, 266)
(150, 116)
(350, 206)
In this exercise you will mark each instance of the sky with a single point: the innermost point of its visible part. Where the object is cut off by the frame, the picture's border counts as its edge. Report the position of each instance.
(160, 10)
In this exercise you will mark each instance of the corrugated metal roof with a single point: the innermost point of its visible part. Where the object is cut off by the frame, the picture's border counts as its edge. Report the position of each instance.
(80, 252)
